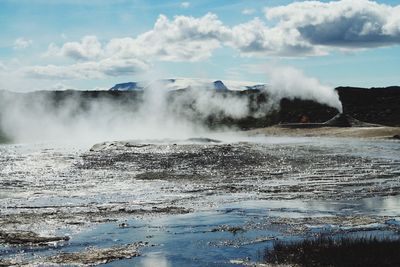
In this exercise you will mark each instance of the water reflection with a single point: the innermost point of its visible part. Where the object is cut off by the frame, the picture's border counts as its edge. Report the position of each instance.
(153, 260)
(240, 195)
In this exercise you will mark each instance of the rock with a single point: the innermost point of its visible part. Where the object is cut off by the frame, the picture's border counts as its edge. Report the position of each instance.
(123, 225)
(29, 238)
(345, 120)
(95, 256)
(226, 228)
(397, 137)
(340, 120)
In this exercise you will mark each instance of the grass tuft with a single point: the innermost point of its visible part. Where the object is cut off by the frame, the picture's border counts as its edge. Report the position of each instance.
(326, 251)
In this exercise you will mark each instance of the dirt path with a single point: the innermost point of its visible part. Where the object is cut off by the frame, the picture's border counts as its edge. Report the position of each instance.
(350, 132)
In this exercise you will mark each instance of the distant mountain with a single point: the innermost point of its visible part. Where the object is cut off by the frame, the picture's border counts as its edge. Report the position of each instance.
(219, 86)
(186, 83)
(129, 86)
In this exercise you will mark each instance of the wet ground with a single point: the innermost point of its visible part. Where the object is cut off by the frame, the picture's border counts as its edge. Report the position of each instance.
(191, 202)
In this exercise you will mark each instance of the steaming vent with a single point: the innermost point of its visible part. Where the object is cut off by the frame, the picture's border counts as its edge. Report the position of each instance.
(340, 120)
(345, 120)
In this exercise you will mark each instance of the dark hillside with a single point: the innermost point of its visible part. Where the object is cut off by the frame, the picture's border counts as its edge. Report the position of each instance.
(374, 105)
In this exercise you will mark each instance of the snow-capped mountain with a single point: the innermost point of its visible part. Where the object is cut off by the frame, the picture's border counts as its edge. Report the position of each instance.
(129, 86)
(186, 83)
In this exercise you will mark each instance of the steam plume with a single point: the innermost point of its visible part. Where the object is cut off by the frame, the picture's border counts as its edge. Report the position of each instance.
(292, 83)
(156, 114)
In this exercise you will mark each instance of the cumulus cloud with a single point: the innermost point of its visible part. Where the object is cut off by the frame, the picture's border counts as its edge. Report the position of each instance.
(254, 38)
(183, 38)
(346, 23)
(87, 70)
(22, 43)
(313, 28)
(308, 28)
(89, 48)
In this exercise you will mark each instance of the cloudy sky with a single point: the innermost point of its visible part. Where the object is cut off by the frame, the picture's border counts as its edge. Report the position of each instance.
(59, 44)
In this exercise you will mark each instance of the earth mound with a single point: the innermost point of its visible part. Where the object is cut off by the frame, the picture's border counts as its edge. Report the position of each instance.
(340, 120)
(345, 120)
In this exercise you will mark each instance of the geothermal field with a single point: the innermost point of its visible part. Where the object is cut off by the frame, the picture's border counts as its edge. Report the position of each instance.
(155, 133)
(161, 177)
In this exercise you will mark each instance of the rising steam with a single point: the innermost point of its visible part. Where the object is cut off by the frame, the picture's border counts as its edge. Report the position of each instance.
(292, 83)
(158, 113)
(39, 117)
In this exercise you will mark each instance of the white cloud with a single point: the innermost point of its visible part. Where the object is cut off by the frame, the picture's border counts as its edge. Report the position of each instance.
(181, 39)
(22, 43)
(312, 28)
(248, 11)
(184, 38)
(88, 49)
(185, 4)
(392, 25)
(346, 23)
(87, 70)
(254, 38)
(193, 39)
(309, 28)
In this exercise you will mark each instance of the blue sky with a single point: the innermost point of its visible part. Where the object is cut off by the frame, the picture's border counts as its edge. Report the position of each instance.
(49, 44)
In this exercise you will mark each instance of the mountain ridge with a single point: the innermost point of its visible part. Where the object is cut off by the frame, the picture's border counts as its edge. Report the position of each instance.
(192, 83)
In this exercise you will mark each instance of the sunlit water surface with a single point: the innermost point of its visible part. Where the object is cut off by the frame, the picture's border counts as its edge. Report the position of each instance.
(222, 201)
